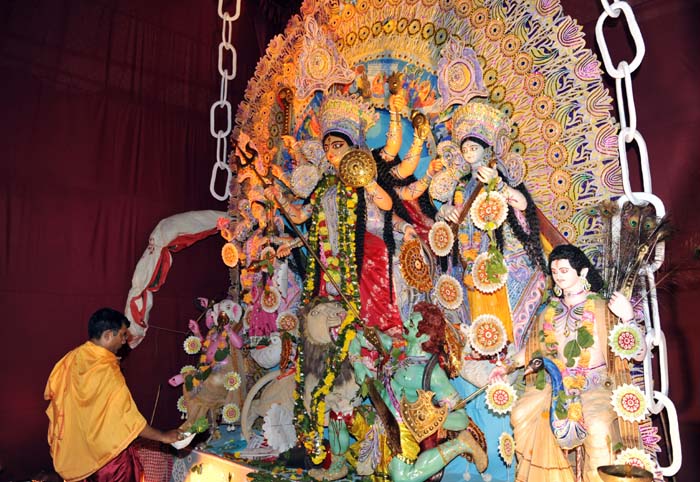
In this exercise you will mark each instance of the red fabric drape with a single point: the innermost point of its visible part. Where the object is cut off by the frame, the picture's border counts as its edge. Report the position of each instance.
(104, 131)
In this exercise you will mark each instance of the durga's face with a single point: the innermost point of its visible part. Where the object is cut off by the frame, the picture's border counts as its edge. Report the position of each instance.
(335, 148)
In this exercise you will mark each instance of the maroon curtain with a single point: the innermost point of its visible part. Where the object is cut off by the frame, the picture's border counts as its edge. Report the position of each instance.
(104, 131)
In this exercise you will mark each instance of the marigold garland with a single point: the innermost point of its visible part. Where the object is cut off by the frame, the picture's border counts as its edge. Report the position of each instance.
(310, 425)
(577, 357)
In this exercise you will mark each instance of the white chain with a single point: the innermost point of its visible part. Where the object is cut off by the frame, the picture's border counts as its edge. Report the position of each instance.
(656, 400)
(221, 135)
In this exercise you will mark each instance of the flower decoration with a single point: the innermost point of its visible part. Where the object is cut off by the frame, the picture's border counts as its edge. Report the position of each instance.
(506, 448)
(181, 406)
(230, 413)
(229, 255)
(487, 335)
(192, 345)
(287, 321)
(489, 210)
(489, 272)
(449, 292)
(187, 369)
(270, 299)
(629, 403)
(279, 429)
(637, 458)
(500, 397)
(232, 381)
(626, 340)
(414, 268)
(441, 238)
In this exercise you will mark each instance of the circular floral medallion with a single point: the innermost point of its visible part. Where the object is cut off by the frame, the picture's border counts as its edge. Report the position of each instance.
(489, 210)
(319, 64)
(181, 406)
(534, 83)
(402, 24)
(506, 448)
(363, 33)
(490, 77)
(414, 26)
(192, 345)
(563, 208)
(479, 17)
(441, 36)
(428, 30)
(230, 413)
(229, 255)
(287, 321)
(414, 268)
(636, 458)
(522, 64)
(463, 8)
(389, 26)
(187, 369)
(559, 181)
(626, 340)
(498, 93)
(500, 397)
(551, 130)
(362, 6)
(441, 238)
(459, 77)
(629, 403)
(487, 335)
(488, 274)
(495, 29)
(542, 106)
(449, 292)
(510, 45)
(232, 381)
(270, 299)
(557, 155)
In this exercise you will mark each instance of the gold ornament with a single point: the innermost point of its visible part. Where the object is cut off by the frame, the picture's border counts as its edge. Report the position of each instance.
(415, 270)
(357, 168)
(422, 417)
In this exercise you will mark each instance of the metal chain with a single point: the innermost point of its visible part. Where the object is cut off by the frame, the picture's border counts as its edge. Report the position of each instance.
(656, 400)
(221, 135)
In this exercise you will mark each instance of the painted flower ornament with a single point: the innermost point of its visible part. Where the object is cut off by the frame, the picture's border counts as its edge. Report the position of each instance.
(270, 299)
(626, 340)
(230, 413)
(489, 271)
(449, 292)
(500, 397)
(629, 403)
(636, 458)
(506, 448)
(232, 381)
(441, 238)
(487, 335)
(489, 210)
(192, 345)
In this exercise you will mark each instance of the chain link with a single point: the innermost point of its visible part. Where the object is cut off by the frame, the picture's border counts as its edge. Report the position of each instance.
(221, 135)
(628, 134)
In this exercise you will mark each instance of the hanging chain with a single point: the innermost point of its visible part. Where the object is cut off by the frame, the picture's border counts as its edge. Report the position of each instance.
(656, 400)
(221, 135)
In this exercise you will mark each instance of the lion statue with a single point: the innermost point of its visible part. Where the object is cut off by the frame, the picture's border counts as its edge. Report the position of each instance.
(320, 321)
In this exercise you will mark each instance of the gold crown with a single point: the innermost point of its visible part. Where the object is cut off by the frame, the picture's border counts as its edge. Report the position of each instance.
(347, 114)
(421, 417)
(480, 120)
